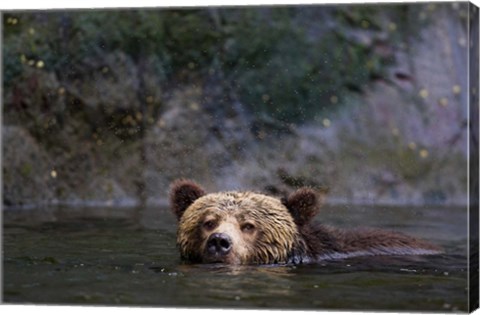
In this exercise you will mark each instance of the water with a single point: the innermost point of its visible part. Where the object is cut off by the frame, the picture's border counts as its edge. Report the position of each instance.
(128, 257)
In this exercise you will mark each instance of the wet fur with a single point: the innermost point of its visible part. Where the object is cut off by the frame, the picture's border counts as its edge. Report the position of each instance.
(326, 242)
(287, 231)
(272, 244)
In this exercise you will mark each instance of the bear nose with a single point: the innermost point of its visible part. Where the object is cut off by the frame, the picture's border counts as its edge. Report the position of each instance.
(219, 243)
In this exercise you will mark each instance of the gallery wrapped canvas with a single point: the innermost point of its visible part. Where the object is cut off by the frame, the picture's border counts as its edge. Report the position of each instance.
(289, 157)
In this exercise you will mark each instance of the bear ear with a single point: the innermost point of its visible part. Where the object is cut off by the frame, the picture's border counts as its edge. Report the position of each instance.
(303, 205)
(183, 193)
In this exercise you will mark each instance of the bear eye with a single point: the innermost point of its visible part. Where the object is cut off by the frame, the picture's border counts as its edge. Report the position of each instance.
(209, 225)
(247, 227)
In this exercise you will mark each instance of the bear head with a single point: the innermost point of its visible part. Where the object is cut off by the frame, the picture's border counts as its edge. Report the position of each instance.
(240, 227)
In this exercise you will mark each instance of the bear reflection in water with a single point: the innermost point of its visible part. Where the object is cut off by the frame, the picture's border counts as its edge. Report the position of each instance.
(251, 228)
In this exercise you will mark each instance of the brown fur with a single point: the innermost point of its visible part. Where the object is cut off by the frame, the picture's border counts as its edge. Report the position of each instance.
(277, 231)
(325, 242)
(182, 193)
(230, 210)
(303, 205)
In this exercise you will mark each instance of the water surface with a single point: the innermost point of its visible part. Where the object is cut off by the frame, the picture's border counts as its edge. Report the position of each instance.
(126, 256)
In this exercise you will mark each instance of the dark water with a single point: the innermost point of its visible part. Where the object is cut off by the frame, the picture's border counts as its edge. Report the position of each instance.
(128, 257)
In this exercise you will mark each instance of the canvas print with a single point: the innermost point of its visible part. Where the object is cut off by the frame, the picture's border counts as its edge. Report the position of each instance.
(294, 157)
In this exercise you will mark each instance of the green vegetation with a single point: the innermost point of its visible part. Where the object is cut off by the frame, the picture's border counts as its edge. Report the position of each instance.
(268, 57)
(113, 103)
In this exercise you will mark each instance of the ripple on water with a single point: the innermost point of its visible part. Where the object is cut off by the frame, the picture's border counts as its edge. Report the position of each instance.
(82, 258)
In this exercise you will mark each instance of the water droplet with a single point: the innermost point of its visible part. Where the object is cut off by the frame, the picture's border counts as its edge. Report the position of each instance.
(456, 89)
(326, 122)
(423, 93)
(443, 101)
(194, 106)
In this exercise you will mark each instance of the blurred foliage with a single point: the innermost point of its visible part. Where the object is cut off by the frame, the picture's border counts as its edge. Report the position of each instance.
(97, 91)
(267, 56)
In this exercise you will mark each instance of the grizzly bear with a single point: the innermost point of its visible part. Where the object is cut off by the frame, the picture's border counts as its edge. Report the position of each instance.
(251, 228)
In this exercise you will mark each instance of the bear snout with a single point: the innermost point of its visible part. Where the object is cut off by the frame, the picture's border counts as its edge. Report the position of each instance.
(219, 244)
